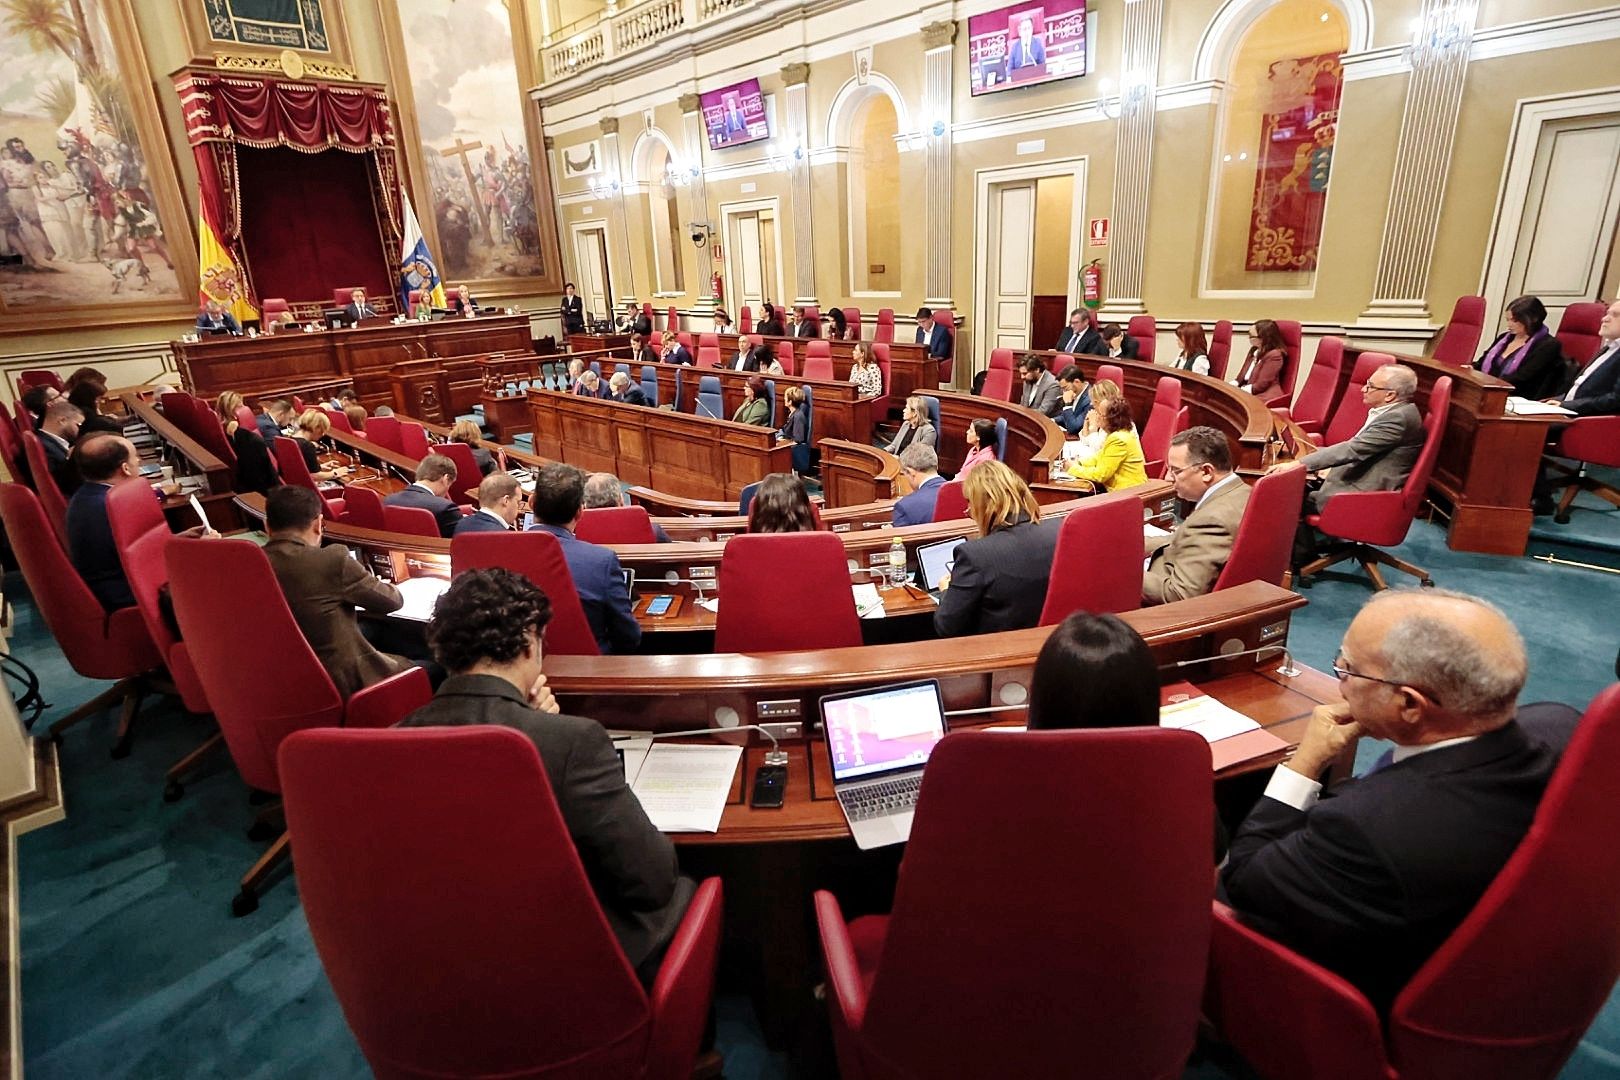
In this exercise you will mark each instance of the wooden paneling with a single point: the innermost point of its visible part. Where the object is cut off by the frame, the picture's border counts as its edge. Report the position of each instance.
(1049, 317)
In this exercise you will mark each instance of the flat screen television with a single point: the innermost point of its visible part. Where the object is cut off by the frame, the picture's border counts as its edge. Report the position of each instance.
(735, 115)
(1026, 44)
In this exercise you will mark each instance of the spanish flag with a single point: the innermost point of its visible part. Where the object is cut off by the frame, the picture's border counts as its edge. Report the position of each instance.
(218, 276)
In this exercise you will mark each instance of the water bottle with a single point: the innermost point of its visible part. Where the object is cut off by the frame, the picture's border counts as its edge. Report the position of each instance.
(897, 563)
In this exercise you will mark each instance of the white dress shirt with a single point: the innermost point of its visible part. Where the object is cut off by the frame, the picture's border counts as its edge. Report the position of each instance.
(1603, 355)
(1301, 792)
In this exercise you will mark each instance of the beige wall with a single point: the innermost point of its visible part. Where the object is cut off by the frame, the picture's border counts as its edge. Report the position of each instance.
(1054, 218)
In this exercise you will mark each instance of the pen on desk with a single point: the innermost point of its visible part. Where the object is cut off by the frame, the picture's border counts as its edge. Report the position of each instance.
(914, 592)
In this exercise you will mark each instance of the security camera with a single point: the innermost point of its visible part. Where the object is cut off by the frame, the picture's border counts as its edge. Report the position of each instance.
(699, 238)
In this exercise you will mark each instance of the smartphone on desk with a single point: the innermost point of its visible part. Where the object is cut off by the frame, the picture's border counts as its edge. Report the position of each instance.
(660, 605)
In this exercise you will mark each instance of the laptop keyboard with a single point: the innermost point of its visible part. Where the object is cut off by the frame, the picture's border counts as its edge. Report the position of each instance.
(881, 800)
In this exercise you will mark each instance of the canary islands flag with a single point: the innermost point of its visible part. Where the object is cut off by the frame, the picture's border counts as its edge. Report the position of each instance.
(417, 270)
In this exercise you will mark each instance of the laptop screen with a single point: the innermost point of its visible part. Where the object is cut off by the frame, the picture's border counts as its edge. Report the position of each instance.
(878, 731)
(934, 561)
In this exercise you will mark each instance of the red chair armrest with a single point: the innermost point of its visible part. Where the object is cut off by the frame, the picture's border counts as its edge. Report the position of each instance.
(682, 993)
(846, 989)
(1592, 438)
(1284, 1014)
(1280, 401)
(1371, 517)
(1313, 428)
(1281, 411)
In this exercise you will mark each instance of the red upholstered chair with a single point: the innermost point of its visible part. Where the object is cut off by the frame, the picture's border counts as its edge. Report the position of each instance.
(1265, 536)
(884, 330)
(298, 405)
(392, 828)
(812, 315)
(50, 496)
(1368, 521)
(1161, 424)
(1116, 931)
(410, 520)
(259, 674)
(1002, 358)
(386, 703)
(538, 556)
(785, 357)
(672, 319)
(616, 525)
(29, 378)
(1293, 336)
(710, 341)
(11, 448)
(343, 297)
(1111, 373)
(685, 340)
(752, 567)
(1351, 411)
(708, 356)
(947, 367)
(290, 463)
(1578, 332)
(1220, 348)
(1094, 567)
(97, 644)
(467, 472)
(647, 312)
(340, 419)
(745, 320)
(412, 298)
(270, 307)
(384, 431)
(1144, 330)
(413, 440)
(1458, 343)
(1591, 440)
(244, 418)
(1310, 411)
(852, 320)
(363, 507)
(999, 385)
(1507, 996)
(817, 348)
(817, 361)
(23, 418)
(950, 504)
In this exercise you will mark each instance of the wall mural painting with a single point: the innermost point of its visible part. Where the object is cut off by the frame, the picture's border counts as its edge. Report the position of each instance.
(1297, 127)
(474, 147)
(78, 221)
(276, 24)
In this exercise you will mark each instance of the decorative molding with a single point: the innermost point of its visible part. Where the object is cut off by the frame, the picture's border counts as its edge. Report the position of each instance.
(848, 99)
(1552, 32)
(548, 143)
(938, 35)
(306, 67)
(795, 74)
(688, 103)
(1133, 157)
(1214, 53)
(609, 125)
(938, 101)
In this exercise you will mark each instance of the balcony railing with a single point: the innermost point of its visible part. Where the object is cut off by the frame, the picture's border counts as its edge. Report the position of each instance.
(628, 30)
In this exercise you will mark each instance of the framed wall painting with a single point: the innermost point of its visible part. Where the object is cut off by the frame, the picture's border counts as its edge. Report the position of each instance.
(471, 140)
(93, 230)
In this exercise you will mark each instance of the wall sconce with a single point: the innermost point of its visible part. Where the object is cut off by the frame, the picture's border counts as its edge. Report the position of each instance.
(1134, 89)
(604, 186)
(785, 154)
(1445, 28)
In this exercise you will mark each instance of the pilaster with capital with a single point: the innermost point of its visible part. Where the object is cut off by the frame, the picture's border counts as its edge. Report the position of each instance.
(939, 44)
(1142, 24)
(695, 138)
(617, 221)
(797, 78)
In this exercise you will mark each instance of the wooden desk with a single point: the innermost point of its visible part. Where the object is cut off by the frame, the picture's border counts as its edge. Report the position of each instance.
(840, 410)
(578, 343)
(190, 460)
(857, 474)
(671, 451)
(1033, 440)
(911, 369)
(692, 617)
(361, 355)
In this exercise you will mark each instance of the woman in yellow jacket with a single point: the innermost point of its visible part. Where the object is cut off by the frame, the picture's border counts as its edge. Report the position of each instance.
(1119, 464)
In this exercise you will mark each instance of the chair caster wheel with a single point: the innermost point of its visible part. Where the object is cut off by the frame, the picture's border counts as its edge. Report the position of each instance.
(261, 830)
(1427, 583)
(244, 903)
(1562, 519)
(173, 790)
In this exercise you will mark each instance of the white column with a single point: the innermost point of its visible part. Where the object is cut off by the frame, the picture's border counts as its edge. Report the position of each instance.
(939, 44)
(617, 222)
(696, 139)
(796, 130)
(1133, 158)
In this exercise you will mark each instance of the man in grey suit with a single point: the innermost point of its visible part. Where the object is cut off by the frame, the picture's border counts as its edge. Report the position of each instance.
(1189, 560)
(486, 632)
(1041, 391)
(1379, 457)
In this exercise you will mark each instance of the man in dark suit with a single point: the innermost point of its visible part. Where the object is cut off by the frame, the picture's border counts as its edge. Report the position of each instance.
(573, 311)
(486, 632)
(500, 504)
(1190, 560)
(624, 391)
(37, 398)
(1117, 343)
(1370, 877)
(1026, 52)
(1079, 337)
(635, 321)
(559, 498)
(56, 434)
(802, 326)
(921, 465)
(1379, 457)
(214, 318)
(358, 308)
(1594, 392)
(323, 587)
(434, 478)
(1041, 392)
(932, 334)
(276, 418)
(1076, 396)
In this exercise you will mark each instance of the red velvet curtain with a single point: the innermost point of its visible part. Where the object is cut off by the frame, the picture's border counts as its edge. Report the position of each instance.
(224, 110)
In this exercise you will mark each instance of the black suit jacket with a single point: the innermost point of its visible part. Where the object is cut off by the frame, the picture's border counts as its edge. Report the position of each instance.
(681, 355)
(60, 465)
(353, 313)
(630, 864)
(456, 305)
(91, 547)
(1372, 879)
(573, 315)
(806, 328)
(1128, 348)
(1087, 342)
(999, 581)
(632, 396)
(422, 499)
(479, 522)
(1542, 371)
(1600, 393)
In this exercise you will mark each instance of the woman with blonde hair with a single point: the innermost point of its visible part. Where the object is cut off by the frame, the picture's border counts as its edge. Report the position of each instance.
(915, 428)
(313, 426)
(254, 472)
(1119, 464)
(998, 581)
(1092, 431)
(465, 431)
(864, 371)
(225, 407)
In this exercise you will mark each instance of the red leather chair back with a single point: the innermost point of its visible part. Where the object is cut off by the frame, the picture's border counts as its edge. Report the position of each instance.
(683, 338)
(751, 569)
(11, 448)
(1417, 485)
(1094, 568)
(384, 704)
(384, 431)
(950, 504)
(1594, 439)
(290, 464)
(616, 525)
(999, 385)
(260, 675)
(538, 556)
(1220, 348)
(29, 378)
(785, 357)
(363, 507)
(1111, 373)
(1144, 330)
(1001, 358)
(298, 405)
(817, 366)
(410, 520)
(745, 320)
(413, 440)
(1351, 412)
(270, 307)
(412, 298)
(50, 496)
(467, 472)
(812, 315)
(1265, 535)
(1161, 424)
(1310, 409)
(880, 356)
(97, 644)
(647, 312)
(24, 419)
(947, 318)
(852, 320)
(708, 356)
(672, 319)
(816, 349)
(244, 418)
(709, 341)
(390, 829)
(1458, 343)
(343, 297)
(340, 419)
(884, 330)
(1293, 336)
(962, 989)
(1578, 332)
(142, 535)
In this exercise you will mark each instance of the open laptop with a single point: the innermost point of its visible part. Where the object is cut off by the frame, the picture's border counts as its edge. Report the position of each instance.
(878, 741)
(934, 562)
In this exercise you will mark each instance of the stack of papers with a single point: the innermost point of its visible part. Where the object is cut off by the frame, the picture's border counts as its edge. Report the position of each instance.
(1528, 407)
(1207, 717)
(868, 602)
(420, 595)
(682, 788)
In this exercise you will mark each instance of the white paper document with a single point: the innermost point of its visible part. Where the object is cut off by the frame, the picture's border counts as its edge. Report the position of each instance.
(868, 602)
(1528, 407)
(1151, 531)
(685, 788)
(633, 746)
(420, 594)
(1207, 717)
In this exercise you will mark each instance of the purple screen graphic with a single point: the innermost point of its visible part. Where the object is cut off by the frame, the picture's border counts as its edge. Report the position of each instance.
(735, 115)
(882, 731)
(1026, 44)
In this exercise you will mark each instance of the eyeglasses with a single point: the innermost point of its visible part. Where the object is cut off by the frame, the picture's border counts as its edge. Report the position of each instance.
(1171, 472)
(1381, 389)
(1343, 672)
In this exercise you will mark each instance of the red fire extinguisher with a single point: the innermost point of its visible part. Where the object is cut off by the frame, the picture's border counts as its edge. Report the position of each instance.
(719, 287)
(1091, 284)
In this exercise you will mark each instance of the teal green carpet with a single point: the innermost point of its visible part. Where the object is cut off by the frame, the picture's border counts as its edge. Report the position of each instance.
(133, 966)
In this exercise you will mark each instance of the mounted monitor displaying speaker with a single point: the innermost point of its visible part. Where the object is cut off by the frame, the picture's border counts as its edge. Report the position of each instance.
(1025, 44)
(735, 115)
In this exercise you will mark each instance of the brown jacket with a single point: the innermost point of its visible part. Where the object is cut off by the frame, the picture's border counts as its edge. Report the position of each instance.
(323, 587)
(1190, 560)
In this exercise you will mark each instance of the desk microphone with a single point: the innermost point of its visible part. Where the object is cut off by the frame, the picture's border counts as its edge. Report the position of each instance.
(699, 403)
(774, 756)
(696, 583)
(1287, 671)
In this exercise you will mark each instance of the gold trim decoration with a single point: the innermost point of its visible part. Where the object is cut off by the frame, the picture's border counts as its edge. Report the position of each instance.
(284, 65)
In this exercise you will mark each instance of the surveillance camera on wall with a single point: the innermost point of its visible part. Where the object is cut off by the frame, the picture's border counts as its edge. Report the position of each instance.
(700, 234)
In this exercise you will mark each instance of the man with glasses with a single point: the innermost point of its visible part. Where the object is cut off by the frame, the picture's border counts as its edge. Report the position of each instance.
(1370, 877)
(1379, 457)
(1187, 562)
